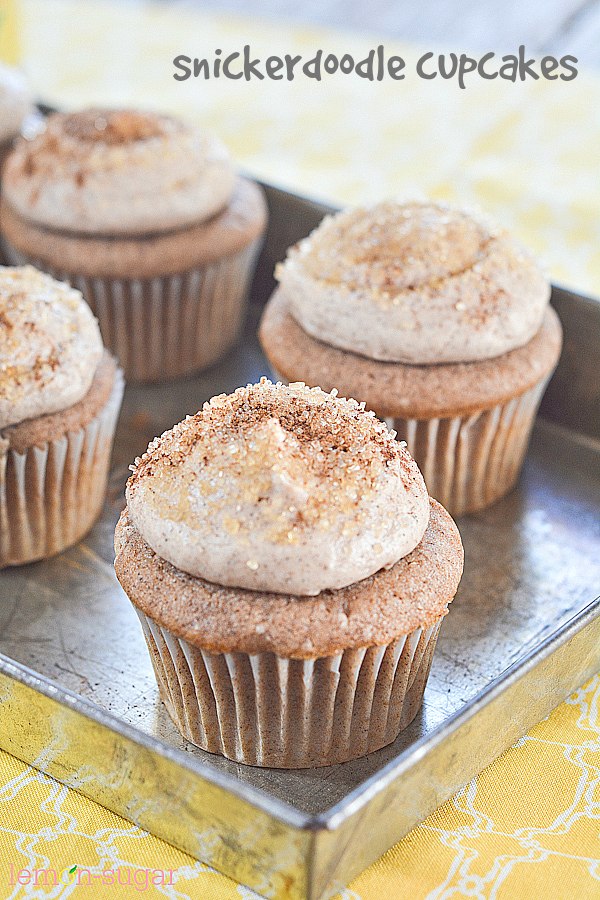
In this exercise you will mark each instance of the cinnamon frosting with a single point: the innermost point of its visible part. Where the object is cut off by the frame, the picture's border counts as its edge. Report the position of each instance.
(282, 489)
(50, 345)
(15, 102)
(418, 283)
(118, 172)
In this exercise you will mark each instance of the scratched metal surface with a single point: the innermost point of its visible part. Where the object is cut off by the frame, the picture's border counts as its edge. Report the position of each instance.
(532, 561)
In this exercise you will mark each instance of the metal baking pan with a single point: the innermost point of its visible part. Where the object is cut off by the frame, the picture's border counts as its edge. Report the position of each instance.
(78, 698)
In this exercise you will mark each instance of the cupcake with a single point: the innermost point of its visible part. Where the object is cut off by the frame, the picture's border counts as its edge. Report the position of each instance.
(440, 324)
(60, 395)
(290, 573)
(15, 107)
(146, 216)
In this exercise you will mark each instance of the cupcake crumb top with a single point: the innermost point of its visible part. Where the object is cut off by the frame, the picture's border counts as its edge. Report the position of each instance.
(414, 593)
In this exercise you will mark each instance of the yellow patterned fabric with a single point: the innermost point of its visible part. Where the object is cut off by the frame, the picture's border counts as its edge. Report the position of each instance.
(529, 826)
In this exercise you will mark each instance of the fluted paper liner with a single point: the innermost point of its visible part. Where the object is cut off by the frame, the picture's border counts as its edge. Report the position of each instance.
(265, 710)
(469, 462)
(51, 495)
(168, 326)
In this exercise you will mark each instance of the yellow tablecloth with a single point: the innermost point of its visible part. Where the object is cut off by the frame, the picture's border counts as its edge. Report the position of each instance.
(529, 826)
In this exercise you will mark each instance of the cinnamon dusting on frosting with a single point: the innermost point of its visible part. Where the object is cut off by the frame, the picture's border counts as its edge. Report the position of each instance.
(84, 131)
(291, 488)
(119, 126)
(123, 171)
(297, 434)
(50, 345)
(390, 248)
(420, 283)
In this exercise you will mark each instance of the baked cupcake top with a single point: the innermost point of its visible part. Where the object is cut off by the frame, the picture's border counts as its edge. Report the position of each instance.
(15, 102)
(103, 171)
(414, 593)
(418, 283)
(50, 345)
(283, 489)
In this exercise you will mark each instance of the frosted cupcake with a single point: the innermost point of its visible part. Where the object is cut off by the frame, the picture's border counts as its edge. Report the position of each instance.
(15, 107)
(290, 573)
(439, 323)
(146, 216)
(60, 395)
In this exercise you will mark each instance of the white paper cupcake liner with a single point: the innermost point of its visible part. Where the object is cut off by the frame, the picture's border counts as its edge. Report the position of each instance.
(169, 326)
(264, 710)
(50, 495)
(470, 462)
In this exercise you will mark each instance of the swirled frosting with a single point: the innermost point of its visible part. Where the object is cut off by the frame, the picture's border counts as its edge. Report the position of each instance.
(276, 488)
(15, 102)
(118, 172)
(417, 283)
(50, 345)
